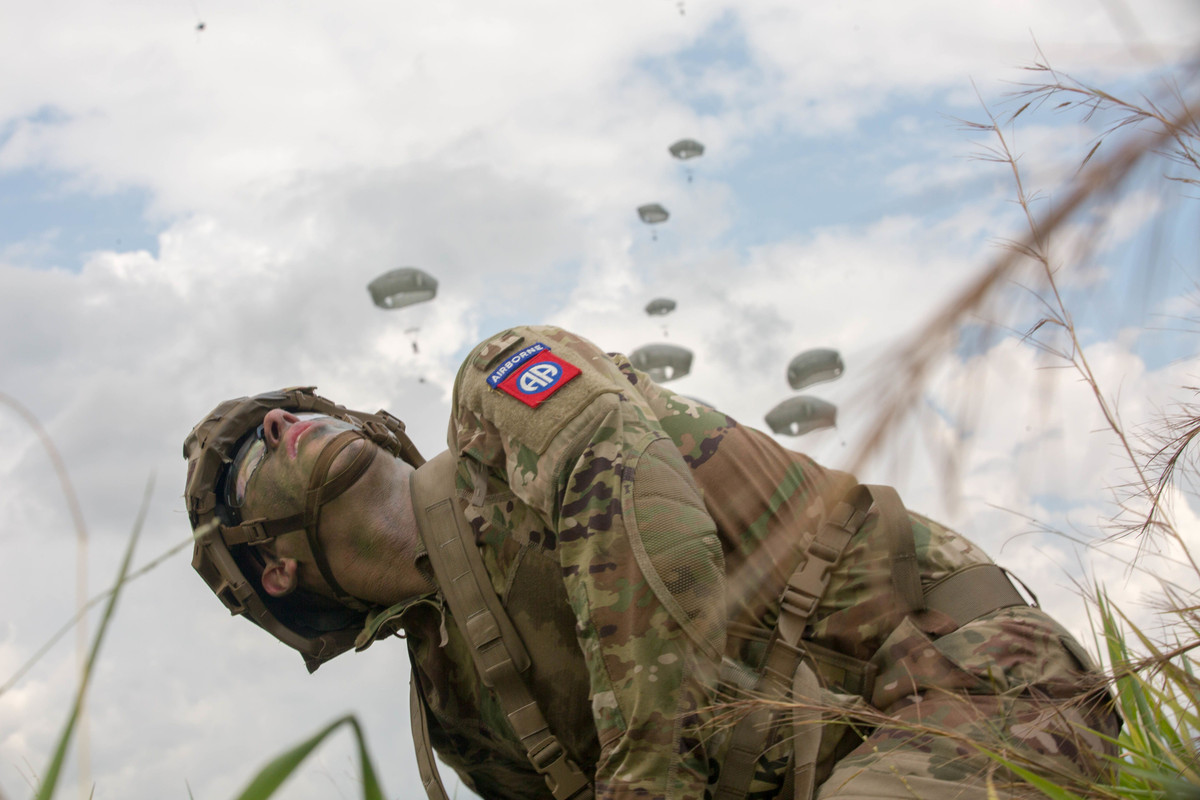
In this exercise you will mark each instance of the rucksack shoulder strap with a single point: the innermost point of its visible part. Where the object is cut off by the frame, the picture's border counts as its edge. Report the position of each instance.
(783, 666)
(499, 654)
(897, 528)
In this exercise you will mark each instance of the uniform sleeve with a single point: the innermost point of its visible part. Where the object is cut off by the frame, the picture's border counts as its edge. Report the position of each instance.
(640, 558)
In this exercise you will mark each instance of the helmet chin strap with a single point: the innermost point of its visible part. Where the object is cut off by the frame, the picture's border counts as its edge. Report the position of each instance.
(320, 491)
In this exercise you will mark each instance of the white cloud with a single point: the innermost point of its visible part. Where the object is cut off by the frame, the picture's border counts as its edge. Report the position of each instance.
(291, 155)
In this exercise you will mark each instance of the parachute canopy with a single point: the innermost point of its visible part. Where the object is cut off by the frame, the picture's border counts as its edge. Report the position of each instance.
(402, 287)
(799, 415)
(686, 148)
(814, 366)
(662, 362)
(653, 213)
(660, 306)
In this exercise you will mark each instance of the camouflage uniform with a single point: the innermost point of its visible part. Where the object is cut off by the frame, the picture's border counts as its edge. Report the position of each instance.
(638, 538)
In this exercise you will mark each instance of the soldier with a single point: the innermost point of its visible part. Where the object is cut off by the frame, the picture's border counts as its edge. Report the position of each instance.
(597, 574)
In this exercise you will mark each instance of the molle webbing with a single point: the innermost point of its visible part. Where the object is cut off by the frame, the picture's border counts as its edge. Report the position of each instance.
(500, 656)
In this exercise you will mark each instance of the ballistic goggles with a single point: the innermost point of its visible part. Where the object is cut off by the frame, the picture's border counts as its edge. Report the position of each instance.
(247, 461)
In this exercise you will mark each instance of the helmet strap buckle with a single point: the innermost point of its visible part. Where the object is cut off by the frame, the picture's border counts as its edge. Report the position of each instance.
(256, 531)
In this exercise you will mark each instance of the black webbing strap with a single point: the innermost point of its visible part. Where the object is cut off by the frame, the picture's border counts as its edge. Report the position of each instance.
(496, 648)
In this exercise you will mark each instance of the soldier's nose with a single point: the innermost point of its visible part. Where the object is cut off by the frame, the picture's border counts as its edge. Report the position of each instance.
(275, 423)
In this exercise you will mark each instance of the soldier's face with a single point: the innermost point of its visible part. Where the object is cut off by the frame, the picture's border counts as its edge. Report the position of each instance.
(272, 473)
(370, 514)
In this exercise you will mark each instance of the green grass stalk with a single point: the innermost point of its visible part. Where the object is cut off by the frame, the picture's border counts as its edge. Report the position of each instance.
(273, 775)
(50, 778)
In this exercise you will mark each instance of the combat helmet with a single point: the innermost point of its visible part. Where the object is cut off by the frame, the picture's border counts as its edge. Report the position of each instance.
(226, 548)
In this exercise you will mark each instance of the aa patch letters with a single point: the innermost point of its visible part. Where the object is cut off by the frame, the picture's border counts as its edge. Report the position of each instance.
(532, 374)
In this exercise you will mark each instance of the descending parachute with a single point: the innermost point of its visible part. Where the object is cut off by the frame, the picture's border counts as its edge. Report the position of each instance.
(814, 366)
(662, 362)
(686, 148)
(799, 415)
(660, 306)
(402, 287)
(653, 213)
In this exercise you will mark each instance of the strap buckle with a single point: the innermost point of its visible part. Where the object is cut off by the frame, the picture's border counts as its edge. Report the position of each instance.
(251, 531)
(563, 778)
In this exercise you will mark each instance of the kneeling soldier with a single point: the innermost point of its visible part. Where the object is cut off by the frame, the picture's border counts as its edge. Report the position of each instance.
(597, 567)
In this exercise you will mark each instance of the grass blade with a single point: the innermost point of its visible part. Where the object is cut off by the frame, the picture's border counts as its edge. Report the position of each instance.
(50, 781)
(272, 776)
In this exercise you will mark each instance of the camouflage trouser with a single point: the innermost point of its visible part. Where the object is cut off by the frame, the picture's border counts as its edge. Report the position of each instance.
(1015, 685)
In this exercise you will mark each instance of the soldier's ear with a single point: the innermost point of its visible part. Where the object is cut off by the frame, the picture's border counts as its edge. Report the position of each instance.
(280, 576)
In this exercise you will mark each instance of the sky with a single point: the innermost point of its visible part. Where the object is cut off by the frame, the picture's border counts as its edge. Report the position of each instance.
(194, 196)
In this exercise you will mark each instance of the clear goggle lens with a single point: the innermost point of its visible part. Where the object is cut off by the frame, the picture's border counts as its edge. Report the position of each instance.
(249, 457)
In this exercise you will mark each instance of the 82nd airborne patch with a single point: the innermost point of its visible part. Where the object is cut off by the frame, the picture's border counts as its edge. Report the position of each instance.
(532, 374)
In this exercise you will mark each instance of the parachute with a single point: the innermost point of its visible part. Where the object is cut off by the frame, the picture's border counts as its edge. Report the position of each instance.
(660, 306)
(653, 214)
(686, 148)
(814, 366)
(662, 362)
(799, 415)
(401, 287)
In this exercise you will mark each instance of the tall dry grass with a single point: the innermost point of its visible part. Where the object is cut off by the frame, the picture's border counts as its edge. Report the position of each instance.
(1153, 676)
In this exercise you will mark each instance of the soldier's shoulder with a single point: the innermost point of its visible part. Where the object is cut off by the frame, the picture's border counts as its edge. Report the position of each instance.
(529, 381)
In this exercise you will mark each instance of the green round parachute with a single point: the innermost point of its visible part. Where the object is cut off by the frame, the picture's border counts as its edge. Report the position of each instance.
(814, 366)
(653, 213)
(660, 306)
(799, 415)
(662, 362)
(401, 287)
(686, 148)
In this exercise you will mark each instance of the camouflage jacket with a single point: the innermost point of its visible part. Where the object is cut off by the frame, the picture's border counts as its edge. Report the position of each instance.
(637, 537)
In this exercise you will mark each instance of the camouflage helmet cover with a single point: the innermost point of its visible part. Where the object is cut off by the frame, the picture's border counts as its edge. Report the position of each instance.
(224, 552)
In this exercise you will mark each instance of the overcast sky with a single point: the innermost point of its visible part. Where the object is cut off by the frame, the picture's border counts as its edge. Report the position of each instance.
(195, 193)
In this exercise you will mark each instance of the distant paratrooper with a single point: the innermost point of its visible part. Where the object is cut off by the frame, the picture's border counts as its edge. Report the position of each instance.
(801, 414)
(662, 362)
